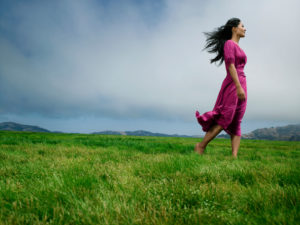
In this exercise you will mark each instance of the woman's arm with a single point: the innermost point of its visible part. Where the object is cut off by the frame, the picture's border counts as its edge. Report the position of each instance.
(229, 57)
(240, 91)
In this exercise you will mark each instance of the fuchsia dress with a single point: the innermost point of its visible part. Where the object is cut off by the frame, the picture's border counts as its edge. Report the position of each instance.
(228, 110)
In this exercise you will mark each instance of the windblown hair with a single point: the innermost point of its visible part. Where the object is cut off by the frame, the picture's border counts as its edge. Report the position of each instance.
(216, 39)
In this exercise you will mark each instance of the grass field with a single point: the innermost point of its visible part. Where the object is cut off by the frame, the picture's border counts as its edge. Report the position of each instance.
(48, 178)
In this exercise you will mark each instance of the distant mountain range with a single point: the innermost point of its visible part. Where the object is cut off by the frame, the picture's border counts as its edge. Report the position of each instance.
(11, 126)
(20, 127)
(285, 133)
(140, 133)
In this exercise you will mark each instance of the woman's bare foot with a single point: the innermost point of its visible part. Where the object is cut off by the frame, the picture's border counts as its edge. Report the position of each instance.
(234, 156)
(199, 148)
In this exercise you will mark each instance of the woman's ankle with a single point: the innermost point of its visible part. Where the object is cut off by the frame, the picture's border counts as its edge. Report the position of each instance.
(199, 148)
(234, 154)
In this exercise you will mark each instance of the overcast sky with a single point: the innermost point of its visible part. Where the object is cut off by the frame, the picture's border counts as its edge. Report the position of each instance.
(85, 66)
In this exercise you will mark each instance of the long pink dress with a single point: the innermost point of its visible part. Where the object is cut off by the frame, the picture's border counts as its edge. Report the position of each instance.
(228, 110)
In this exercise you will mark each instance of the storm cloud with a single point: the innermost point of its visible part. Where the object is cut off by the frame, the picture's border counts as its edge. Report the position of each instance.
(133, 60)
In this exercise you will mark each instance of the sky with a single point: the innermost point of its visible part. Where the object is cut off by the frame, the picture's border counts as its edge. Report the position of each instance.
(94, 65)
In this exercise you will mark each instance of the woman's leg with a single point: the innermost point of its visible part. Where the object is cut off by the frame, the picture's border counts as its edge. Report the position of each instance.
(235, 144)
(211, 134)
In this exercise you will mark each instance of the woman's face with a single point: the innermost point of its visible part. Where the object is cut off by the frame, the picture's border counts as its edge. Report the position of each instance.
(240, 30)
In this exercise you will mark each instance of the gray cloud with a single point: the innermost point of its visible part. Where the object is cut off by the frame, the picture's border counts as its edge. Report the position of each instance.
(73, 58)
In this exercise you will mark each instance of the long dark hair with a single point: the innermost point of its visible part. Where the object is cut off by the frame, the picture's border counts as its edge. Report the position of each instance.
(216, 39)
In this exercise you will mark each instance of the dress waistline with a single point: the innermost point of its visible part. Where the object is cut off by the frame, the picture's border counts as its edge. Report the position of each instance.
(239, 75)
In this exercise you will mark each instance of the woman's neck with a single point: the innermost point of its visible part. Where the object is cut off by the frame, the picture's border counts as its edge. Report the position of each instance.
(235, 38)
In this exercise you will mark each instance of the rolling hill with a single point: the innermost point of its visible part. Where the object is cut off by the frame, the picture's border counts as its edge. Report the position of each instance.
(284, 133)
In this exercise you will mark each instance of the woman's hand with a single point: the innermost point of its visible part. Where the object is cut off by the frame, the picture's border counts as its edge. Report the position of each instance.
(240, 93)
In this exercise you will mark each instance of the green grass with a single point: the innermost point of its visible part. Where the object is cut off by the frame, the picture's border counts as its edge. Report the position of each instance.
(48, 178)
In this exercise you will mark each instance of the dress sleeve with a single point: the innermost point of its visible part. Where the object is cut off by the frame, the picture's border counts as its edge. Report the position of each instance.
(229, 52)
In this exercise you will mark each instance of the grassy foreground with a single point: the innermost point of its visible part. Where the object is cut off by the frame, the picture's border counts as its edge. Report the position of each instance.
(48, 178)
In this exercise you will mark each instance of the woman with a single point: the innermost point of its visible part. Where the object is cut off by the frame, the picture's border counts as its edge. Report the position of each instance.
(231, 102)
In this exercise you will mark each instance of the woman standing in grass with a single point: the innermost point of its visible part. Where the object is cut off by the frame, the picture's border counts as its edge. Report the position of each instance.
(231, 102)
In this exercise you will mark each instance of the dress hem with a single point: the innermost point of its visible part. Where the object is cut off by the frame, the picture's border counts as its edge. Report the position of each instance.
(211, 120)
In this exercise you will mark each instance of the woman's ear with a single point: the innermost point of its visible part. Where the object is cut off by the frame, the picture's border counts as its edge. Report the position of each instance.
(233, 29)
